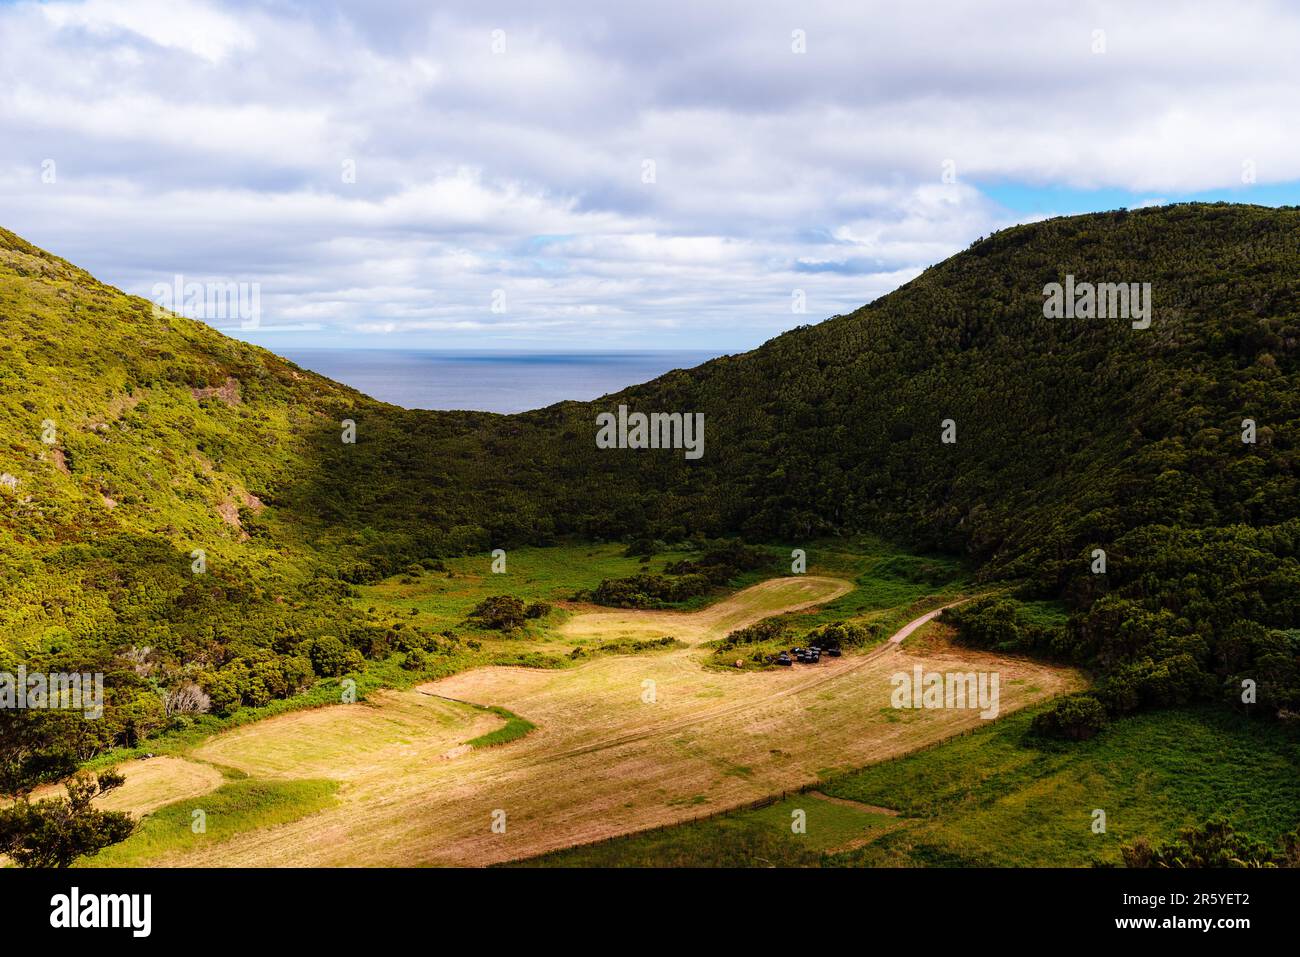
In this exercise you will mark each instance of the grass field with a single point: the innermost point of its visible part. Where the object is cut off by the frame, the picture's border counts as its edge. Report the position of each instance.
(1001, 797)
(610, 745)
(764, 837)
(1152, 774)
(887, 584)
(235, 807)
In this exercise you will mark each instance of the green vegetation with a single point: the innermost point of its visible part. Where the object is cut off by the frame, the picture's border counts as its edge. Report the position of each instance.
(725, 563)
(763, 837)
(757, 644)
(239, 805)
(1010, 626)
(56, 831)
(631, 646)
(760, 643)
(514, 728)
(182, 512)
(1214, 844)
(499, 612)
(1004, 797)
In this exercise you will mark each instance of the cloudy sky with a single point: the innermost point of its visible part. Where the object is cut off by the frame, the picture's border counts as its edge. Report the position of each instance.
(584, 176)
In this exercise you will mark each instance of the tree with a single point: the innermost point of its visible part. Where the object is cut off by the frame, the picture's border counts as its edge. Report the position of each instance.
(1075, 717)
(222, 689)
(37, 747)
(55, 832)
(328, 656)
(188, 699)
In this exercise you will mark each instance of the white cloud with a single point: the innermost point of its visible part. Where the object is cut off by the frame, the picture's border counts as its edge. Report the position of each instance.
(210, 139)
(181, 24)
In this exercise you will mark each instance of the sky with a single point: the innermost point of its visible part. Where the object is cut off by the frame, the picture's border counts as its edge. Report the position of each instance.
(606, 176)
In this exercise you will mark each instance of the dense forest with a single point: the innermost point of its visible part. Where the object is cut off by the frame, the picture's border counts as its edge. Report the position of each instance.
(186, 513)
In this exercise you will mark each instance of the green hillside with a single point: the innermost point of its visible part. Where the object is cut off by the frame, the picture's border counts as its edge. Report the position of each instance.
(128, 440)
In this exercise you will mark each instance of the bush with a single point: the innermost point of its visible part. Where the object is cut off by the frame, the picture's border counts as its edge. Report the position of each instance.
(1075, 717)
(770, 629)
(1004, 624)
(723, 562)
(648, 591)
(838, 634)
(499, 612)
(644, 547)
(1213, 844)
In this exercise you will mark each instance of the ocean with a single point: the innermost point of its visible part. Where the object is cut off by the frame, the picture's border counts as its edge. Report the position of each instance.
(488, 381)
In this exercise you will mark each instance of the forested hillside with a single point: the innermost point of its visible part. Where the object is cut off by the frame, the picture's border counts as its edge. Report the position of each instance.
(129, 440)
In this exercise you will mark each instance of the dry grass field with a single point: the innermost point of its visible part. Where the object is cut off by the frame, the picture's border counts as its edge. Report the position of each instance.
(150, 785)
(622, 743)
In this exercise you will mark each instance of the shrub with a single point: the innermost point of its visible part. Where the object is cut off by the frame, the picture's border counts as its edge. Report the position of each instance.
(649, 591)
(838, 634)
(1075, 717)
(770, 629)
(499, 612)
(1213, 844)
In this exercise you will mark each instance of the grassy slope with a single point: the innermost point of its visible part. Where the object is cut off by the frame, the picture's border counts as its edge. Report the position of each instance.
(756, 838)
(395, 743)
(999, 797)
(236, 807)
(117, 382)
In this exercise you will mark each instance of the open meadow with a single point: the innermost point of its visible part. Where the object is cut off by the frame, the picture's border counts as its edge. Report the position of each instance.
(607, 744)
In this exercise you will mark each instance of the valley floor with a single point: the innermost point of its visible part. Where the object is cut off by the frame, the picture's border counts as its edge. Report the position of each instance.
(1001, 797)
(622, 743)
